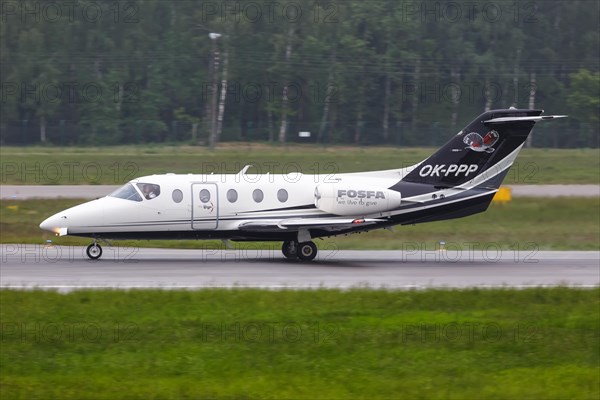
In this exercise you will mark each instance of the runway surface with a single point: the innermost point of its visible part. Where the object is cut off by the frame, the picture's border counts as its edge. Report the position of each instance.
(18, 192)
(67, 268)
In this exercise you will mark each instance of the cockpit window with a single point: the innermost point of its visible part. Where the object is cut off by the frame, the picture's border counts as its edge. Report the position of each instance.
(126, 192)
(149, 190)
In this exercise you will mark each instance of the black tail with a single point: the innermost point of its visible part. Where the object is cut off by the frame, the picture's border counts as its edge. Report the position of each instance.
(486, 141)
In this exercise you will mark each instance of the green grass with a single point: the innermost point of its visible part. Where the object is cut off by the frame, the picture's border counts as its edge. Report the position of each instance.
(318, 344)
(523, 224)
(115, 165)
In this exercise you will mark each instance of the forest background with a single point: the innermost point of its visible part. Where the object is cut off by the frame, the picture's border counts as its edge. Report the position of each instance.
(349, 72)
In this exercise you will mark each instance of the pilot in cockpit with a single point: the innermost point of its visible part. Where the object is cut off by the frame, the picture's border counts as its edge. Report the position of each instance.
(150, 191)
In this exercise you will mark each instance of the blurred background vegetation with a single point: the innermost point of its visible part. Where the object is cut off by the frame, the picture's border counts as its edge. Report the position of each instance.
(362, 72)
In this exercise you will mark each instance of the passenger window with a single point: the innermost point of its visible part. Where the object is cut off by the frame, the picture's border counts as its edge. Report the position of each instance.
(282, 195)
(177, 196)
(204, 196)
(258, 195)
(126, 192)
(232, 195)
(149, 190)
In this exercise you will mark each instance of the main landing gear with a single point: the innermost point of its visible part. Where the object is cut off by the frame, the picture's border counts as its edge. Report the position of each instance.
(305, 251)
(94, 251)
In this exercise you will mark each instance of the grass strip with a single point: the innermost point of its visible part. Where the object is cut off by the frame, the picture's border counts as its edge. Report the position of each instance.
(313, 344)
(116, 165)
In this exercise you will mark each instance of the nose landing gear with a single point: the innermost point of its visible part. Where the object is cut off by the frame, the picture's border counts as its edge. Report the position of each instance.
(94, 251)
(305, 251)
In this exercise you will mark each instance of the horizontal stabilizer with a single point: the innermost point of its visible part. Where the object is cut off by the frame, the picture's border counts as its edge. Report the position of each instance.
(517, 119)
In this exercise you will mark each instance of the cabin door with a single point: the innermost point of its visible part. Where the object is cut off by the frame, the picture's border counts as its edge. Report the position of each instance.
(205, 206)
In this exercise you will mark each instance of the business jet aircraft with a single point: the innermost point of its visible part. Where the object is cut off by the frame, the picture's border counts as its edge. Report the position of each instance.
(460, 179)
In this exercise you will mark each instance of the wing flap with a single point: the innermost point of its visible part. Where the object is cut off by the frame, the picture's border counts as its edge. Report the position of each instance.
(331, 224)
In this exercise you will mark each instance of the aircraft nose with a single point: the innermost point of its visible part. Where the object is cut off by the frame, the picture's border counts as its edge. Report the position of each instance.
(47, 224)
(51, 224)
(74, 218)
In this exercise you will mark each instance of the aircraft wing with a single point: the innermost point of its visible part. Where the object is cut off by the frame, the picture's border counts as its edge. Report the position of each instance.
(329, 224)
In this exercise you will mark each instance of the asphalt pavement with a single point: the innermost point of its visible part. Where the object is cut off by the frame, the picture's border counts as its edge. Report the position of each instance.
(67, 268)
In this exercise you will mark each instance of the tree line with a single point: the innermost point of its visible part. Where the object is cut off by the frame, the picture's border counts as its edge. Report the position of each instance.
(351, 71)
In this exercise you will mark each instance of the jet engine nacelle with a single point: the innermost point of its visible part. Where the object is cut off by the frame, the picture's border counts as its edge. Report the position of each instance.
(354, 200)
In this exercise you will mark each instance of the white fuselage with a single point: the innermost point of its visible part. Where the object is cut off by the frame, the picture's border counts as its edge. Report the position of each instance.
(206, 203)
(190, 202)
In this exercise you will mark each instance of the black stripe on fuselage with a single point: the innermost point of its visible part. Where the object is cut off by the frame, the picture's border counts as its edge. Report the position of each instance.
(304, 207)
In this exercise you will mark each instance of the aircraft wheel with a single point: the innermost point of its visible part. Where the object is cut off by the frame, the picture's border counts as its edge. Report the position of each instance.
(290, 250)
(94, 251)
(307, 251)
